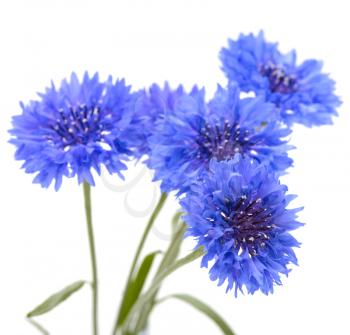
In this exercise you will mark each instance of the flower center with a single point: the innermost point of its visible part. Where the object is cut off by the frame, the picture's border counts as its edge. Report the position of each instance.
(279, 80)
(78, 125)
(251, 225)
(222, 142)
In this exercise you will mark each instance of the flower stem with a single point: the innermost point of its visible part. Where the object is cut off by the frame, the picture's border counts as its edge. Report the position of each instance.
(94, 283)
(149, 225)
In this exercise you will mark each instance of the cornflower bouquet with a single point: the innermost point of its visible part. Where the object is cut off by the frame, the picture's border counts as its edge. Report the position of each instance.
(223, 157)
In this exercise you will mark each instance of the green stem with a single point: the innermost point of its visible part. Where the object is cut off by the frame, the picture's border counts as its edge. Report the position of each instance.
(149, 225)
(169, 258)
(94, 283)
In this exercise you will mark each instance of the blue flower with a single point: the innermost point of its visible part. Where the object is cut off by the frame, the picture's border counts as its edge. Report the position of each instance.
(194, 132)
(79, 127)
(239, 214)
(302, 93)
(151, 106)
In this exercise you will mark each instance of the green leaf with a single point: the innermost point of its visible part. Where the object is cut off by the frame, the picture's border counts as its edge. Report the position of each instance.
(135, 286)
(169, 258)
(205, 309)
(148, 296)
(142, 274)
(55, 299)
(38, 326)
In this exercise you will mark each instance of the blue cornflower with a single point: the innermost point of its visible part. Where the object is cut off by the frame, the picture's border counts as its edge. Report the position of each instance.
(302, 93)
(239, 214)
(79, 127)
(194, 132)
(151, 106)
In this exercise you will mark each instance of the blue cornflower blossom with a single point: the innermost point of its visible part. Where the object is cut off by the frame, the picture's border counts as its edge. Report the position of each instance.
(302, 93)
(194, 132)
(239, 214)
(79, 127)
(151, 107)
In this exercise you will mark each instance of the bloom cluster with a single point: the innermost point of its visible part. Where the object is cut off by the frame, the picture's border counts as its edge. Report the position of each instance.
(222, 156)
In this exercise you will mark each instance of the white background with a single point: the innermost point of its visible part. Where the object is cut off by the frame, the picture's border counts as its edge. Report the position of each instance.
(43, 244)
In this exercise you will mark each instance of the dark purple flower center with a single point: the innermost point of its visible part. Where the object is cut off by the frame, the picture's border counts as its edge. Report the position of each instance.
(279, 80)
(77, 125)
(251, 224)
(222, 142)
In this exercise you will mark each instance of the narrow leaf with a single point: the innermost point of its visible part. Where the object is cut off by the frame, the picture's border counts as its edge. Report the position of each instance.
(55, 299)
(169, 258)
(148, 296)
(205, 309)
(135, 286)
(142, 274)
(38, 326)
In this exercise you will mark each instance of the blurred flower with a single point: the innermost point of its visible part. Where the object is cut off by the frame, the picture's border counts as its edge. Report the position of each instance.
(302, 92)
(76, 128)
(152, 106)
(195, 132)
(239, 215)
